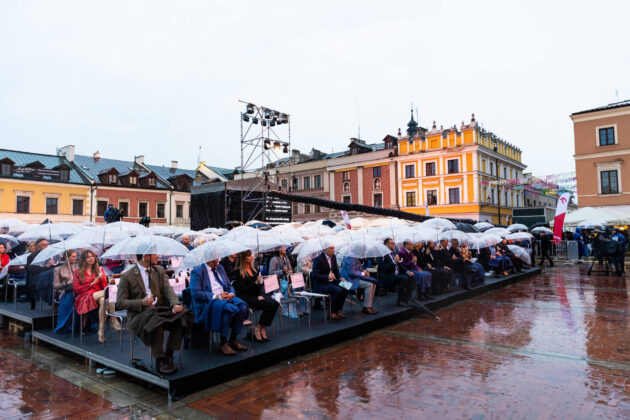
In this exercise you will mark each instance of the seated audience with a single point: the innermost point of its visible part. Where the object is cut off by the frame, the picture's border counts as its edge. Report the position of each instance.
(152, 307)
(439, 277)
(475, 270)
(517, 263)
(457, 263)
(441, 258)
(216, 306)
(325, 278)
(4, 257)
(63, 285)
(409, 262)
(248, 284)
(499, 262)
(280, 264)
(229, 265)
(33, 271)
(352, 271)
(390, 275)
(186, 242)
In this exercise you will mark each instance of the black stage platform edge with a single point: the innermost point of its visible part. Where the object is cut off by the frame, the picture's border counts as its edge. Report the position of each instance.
(227, 368)
(22, 312)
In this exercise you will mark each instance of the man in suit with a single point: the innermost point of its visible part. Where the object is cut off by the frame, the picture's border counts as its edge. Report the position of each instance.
(352, 271)
(326, 280)
(215, 305)
(442, 260)
(32, 271)
(409, 263)
(139, 286)
(390, 275)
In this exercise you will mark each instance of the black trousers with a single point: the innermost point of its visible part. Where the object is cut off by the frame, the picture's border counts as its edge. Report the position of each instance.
(543, 256)
(439, 280)
(405, 286)
(268, 306)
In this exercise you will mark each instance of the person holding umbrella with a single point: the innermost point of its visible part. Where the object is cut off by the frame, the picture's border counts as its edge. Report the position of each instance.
(152, 307)
(326, 278)
(545, 248)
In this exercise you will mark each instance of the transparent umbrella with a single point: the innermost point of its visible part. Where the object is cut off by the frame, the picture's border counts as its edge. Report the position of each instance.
(256, 240)
(101, 236)
(206, 237)
(315, 231)
(192, 234)
(132, 229)
(215, 231)
(542, 229)
(364, 248)
(50, 231)
(498, 231)
(289, 233)
(161, 246)
(485, 241)
(483, 226)
(15, 262)
(439, 223)
(53, 254)
(521, 253)
(8, 241)
(519, 236)
(10, 225)
(516, 226)
(312, 247)
(168, 231)
(462, 237)
(592, 224)
(211, 251)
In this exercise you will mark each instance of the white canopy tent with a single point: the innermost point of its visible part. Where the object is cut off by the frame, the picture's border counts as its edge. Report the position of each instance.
(612, 215)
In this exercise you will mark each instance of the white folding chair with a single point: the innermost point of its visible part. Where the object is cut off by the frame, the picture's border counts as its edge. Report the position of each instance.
(299, 282)
(272, 285)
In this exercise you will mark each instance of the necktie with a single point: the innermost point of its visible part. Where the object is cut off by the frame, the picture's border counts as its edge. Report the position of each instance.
(218, 278)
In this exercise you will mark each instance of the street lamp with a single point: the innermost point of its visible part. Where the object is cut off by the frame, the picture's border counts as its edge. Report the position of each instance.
(496, 168)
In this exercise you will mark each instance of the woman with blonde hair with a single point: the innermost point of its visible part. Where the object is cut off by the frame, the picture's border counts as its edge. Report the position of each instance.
(89, 284)
(30, 247)
(62, 285)
(248, 284)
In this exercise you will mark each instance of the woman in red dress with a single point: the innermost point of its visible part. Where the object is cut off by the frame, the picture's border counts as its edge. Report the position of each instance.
(89, 284)
(4, 258)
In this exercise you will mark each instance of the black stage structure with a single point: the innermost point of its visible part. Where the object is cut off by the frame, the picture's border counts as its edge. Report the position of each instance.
(202, 368)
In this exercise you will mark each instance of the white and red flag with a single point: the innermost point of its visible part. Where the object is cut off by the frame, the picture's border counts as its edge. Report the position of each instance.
(558, 221)
(346, 219)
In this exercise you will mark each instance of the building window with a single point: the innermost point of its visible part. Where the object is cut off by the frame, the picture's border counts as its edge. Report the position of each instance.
(518, 201)
(77, 207)
(378, 200)
(307, 182)
(133, 180)
(112, 179)
(179, 210)
(377, 184)
(346, 187)
(491, 168)
(453, 195)
(151, 182)
(504, 172)
(23, 204)
(295, 208)
(142, 209)
(161, 210)
(284, 183)
(432, 197)
(6, 169)
(507, 202)
(52, 205)
(429, 169)
(317, 181)
(296, 184)
(123, 206)
(346, 175)
(347, 199)
(101, 206)
(64, 174)
(410, 171)
(376, 171)
(410, 199)
(609, 182)
(307, 208)
(317, 209)
(607, 136)
(452, 166)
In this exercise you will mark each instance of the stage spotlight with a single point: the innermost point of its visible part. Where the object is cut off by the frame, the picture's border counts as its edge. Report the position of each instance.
(272, 123)
(250, 108)
(285, 149)
(255, 120)
(276, 146)
(264, 123)
(245, 117)
(267, 144)
(284, 118)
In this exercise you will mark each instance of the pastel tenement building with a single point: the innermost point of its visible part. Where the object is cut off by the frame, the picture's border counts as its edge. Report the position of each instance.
(450, 170)
(602, 154)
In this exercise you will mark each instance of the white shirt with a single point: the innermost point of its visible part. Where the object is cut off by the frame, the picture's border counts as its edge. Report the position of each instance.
(217, 289)
(329, 263)
(144, 273)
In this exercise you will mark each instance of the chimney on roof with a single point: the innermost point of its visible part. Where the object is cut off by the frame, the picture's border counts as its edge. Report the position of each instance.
(96, 156)
(173, 164)
(295, 156)
(139, 160)
(66, 152)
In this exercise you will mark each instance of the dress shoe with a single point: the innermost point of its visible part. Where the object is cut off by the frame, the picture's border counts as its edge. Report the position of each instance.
(227, 349)
(467, 287)
(165, 366)
(342, 316)
(428, 296)
(335, 317)
(369, 311)
(237, 346)
(402, 303)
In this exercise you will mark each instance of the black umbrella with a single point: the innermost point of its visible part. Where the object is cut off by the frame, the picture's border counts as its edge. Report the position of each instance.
(539, 224)
(232, 224)
(329, 223)
(423, 308)
(466, 227)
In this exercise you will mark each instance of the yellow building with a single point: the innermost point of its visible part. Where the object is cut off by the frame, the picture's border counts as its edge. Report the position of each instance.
(35, 187)
(455, 172)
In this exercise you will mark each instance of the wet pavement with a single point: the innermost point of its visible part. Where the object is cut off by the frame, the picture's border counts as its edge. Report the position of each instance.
(552, 346)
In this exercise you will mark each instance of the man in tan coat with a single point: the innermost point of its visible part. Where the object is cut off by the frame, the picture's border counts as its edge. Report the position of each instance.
(152, 307)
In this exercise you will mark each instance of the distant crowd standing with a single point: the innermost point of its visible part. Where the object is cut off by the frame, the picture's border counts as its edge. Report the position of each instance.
(221, 294)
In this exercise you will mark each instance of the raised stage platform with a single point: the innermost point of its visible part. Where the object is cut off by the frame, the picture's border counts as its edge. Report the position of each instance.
(202, 368)
(39, 318)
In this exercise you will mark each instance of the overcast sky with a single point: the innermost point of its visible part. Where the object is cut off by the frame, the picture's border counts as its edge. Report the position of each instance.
(161, 78)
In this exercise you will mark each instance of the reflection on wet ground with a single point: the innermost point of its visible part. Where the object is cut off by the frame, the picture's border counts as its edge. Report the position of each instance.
(552, 346)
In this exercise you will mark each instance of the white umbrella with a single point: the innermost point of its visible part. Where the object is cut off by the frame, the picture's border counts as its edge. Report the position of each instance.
(215, 231)
(256, 240)
(592, 224)
(314, 246)
(314, 231)
(9, 223)
(55, 251)
(498, 231)
(206, 237)
(542, 229)
(485, 241)
(211, 251)
(21, 260)
(520, 236)
(161, 246)
(462, 237)
(101, 236)
(50, 231)
(366, 248)
(439, 223)
(192, 234)
(516, 226)
(521, 253)
(132, 229)
(161, 230)
(483, 226)
(289, 233)
(8, 241)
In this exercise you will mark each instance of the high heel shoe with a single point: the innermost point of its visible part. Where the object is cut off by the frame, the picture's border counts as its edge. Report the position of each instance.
(101, 337)
(256, 339)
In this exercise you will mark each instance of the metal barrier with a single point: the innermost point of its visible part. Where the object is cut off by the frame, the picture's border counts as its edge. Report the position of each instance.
(566, 250)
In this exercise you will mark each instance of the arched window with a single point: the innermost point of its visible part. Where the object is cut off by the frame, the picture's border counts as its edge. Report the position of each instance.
(377, 183)
(346, 187)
